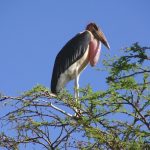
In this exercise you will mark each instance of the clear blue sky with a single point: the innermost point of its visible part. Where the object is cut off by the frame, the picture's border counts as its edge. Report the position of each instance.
(33, 31)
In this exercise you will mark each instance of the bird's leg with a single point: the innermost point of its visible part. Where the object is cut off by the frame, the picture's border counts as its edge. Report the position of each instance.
(76, 91)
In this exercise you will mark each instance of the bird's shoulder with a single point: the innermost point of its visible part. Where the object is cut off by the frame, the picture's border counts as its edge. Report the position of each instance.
(82, 36)
(79, 41)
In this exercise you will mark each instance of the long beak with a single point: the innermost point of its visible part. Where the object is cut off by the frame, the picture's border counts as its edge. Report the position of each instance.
(101, 37)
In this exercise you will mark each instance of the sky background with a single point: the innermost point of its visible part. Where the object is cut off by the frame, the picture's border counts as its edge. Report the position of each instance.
(33, 31)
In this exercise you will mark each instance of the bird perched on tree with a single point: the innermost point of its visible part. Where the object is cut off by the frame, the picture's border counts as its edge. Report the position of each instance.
(77, 53)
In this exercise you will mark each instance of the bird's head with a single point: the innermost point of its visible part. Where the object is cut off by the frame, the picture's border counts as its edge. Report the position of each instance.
(97, 33)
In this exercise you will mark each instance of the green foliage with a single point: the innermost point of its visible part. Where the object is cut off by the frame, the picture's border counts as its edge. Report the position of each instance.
(116, 118)
(37, 89)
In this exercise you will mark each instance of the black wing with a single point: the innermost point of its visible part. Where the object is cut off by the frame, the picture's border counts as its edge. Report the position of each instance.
(69, 54)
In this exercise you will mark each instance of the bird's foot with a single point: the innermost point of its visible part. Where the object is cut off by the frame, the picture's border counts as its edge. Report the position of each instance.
(78, 113)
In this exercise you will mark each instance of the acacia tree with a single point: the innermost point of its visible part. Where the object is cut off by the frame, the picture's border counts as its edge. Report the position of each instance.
(117, 118)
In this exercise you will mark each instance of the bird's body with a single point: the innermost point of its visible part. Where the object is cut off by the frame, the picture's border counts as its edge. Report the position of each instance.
(72, 71)
(81, 50)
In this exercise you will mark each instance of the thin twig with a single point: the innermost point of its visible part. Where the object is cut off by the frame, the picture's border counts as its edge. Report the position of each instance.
(60, 110)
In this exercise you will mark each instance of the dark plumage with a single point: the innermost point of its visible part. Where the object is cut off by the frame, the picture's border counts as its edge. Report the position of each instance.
(70, 53)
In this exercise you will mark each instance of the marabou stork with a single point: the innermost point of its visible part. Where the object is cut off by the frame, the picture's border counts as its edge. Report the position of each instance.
(78, 52)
